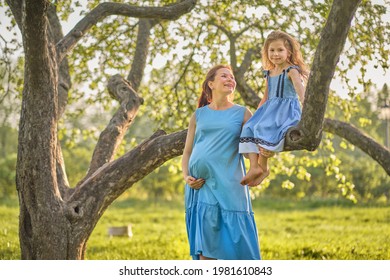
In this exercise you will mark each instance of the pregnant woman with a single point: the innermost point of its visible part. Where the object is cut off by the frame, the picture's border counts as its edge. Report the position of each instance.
(219, 217)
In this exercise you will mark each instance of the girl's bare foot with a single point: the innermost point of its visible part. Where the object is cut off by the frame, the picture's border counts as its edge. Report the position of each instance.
(259, 179)
(253, 174)
(265, 153)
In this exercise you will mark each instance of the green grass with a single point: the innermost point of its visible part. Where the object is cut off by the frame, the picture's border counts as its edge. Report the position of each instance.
(324, 232)
(9, 239)
(306, 230)
(158, 232)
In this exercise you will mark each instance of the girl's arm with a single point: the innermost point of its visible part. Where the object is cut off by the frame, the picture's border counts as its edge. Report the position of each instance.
(265, 97)
(247, 115)
(296, 79)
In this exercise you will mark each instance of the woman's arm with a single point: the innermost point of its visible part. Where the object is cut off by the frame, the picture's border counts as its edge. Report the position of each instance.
(188, 146)
(191, 181)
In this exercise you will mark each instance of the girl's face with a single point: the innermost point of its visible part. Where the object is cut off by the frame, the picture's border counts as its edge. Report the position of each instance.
(224, 81)
(278, 53)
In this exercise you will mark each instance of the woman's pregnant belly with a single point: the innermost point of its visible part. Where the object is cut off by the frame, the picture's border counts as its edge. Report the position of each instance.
(200, 167)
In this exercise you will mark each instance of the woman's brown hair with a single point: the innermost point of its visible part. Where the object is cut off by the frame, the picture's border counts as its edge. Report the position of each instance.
(206, 96)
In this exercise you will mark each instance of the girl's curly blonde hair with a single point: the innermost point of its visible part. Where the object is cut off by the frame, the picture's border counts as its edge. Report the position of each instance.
(294, 48)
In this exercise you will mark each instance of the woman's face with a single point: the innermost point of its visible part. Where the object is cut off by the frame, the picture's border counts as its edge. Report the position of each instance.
(224, 81)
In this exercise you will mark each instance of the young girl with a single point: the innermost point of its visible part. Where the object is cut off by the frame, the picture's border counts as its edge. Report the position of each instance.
(279, 109)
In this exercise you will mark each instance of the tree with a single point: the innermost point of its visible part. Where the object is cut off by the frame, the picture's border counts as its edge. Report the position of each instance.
(57, 220)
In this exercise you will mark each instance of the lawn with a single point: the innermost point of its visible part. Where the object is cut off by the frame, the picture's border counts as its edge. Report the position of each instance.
(288, 230)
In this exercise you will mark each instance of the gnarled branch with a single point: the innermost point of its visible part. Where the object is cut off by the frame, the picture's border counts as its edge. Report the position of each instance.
(368, 145)
(104, 10)
(112, 135)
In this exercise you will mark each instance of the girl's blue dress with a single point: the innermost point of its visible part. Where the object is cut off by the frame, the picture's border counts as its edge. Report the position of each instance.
(269, 124)
(219, 218)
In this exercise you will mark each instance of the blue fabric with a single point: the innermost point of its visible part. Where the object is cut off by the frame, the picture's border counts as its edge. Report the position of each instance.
(269, 124)
(219, 217)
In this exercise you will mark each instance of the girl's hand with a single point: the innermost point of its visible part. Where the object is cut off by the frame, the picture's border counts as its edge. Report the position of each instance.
(194, 183)
(265, 153)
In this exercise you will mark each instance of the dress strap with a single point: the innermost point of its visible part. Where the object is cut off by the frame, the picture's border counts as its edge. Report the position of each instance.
(292, 67)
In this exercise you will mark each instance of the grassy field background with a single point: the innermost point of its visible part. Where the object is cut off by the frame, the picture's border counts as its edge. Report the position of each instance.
(288, 230)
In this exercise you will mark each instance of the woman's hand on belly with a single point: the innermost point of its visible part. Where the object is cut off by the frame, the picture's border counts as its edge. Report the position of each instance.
(194, 183)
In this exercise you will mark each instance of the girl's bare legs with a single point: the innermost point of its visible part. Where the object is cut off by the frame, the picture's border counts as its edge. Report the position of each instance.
(263, 163)
(203, 258)
(254, 173)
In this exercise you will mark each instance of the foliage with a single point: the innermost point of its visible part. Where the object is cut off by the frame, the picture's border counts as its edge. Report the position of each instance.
(180, 54)
(8, 137)
(7, 176)
(195, 47)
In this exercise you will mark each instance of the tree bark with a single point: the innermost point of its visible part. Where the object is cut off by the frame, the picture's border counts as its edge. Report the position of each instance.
(308, 133)
(368, 145)
(42, 225)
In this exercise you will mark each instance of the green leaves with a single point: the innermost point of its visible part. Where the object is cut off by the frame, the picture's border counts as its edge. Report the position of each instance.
(180, 53)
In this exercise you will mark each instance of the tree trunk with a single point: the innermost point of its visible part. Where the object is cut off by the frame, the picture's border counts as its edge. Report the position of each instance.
(40, 203)
(55, 222)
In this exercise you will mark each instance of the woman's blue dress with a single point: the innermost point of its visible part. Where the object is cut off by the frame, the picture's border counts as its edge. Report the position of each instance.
(269, 124)
(219, 217)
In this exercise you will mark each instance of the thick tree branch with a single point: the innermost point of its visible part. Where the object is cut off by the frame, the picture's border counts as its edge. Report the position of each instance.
(368, 145)
(38, 125)
(131, 167)
(64, 84)
(104, 10)
(307, 135)
(93, 196)
(55, 32)
(250, 97)
(112, 135)
(141, 52)
(16, 8)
